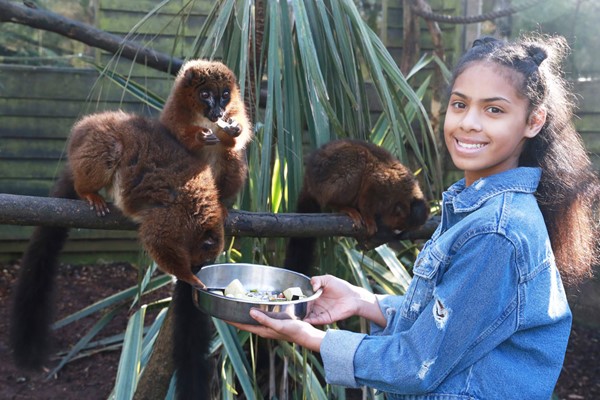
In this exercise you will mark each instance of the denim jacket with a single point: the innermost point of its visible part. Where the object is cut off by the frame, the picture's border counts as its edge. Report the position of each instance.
(485, 316)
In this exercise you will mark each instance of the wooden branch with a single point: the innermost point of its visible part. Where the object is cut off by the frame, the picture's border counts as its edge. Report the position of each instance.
(50, 211)
(49, 21)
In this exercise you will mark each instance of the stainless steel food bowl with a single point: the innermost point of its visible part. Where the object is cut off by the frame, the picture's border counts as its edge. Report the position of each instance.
(252, 276)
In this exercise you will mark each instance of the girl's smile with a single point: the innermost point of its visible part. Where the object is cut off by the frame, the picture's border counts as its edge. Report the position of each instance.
(467, 145)
(487, 121)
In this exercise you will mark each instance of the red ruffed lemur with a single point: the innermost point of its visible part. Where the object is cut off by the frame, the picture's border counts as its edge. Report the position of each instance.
(362, 180)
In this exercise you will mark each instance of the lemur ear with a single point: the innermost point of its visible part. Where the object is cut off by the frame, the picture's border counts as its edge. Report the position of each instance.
(189, 76)
(536, 122)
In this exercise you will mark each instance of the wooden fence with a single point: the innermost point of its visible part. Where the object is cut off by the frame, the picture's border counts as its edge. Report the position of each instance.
(37, 108)
(588, 117)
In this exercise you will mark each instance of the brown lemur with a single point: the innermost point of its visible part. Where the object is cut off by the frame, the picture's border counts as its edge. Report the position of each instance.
(363, 180)
(173, 175)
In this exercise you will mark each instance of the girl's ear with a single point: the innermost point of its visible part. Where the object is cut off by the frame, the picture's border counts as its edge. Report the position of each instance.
(536, 122)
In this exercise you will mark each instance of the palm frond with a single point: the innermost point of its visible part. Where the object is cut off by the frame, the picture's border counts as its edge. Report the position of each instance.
(320, 73)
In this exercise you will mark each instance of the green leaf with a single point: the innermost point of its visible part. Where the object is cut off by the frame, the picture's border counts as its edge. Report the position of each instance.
(97, 327)
(154, 284)
(130, 361)
(236, 354)
(395, 266)
(150, 336)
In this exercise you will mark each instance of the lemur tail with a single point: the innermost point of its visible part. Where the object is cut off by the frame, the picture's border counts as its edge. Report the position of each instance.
(299, 255)
(191, 338)
(32, 304)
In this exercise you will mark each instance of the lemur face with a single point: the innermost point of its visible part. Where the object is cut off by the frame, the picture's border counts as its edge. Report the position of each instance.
(212, 85)
(215, 100)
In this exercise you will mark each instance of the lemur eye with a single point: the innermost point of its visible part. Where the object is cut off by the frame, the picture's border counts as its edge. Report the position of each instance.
(204, 95)
(226, 95)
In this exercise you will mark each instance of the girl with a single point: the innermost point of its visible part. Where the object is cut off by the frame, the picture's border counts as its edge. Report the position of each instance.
(485, 316)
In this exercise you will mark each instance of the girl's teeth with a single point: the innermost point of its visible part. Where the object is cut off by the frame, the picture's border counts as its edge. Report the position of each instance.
(471, 145)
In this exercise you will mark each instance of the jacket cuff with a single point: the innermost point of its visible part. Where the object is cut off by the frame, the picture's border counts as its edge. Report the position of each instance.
(337, 351)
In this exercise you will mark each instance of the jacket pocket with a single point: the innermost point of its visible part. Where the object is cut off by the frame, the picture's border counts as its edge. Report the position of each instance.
(420, 291)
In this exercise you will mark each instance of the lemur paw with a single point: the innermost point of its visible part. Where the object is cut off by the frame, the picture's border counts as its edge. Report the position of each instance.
(230, 126)
(206, 136)
(360, 221)
(97, 203)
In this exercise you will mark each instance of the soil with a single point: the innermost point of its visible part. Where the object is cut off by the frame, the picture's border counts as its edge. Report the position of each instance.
(92, 377)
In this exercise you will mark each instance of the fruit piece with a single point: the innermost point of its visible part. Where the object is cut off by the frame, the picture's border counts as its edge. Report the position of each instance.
(293, 293)
(235, 289)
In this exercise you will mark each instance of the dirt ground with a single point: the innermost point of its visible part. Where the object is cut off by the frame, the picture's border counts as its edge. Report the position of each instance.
(92, 377)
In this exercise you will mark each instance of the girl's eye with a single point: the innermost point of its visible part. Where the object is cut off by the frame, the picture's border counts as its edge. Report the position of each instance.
(458, 104)
(494, 110)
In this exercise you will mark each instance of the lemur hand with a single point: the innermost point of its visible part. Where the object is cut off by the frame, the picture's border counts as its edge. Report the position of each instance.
(206, 136)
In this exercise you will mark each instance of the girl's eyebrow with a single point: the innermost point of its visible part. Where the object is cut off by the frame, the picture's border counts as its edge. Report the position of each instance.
(493, 99)
(459, 94)
(488, 100)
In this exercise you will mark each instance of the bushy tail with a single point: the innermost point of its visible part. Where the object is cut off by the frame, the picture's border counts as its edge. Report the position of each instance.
(299, 255)
(32, 304)
(191, 338)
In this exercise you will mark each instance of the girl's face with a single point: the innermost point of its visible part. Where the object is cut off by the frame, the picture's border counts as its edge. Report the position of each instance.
(486, 122)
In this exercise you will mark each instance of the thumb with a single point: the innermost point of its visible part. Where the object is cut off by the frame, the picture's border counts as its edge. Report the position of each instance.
(261, 317)
(257, 314)
(317, 282)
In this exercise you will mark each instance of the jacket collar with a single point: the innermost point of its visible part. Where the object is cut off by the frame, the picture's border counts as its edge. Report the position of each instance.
(466, 199)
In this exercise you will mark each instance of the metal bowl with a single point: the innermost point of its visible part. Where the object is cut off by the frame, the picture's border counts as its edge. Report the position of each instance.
(252, 276)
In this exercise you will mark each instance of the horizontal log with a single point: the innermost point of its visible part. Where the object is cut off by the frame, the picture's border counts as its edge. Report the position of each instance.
(48, 211)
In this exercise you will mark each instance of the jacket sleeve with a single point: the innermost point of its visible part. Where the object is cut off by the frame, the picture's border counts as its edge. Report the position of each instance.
(388, 304)
(339, 346)
(465, 313)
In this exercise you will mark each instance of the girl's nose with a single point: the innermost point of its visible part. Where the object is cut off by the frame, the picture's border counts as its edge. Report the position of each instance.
(471, 121)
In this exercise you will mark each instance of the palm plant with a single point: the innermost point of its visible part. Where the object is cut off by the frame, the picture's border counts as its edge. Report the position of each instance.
(312, 71)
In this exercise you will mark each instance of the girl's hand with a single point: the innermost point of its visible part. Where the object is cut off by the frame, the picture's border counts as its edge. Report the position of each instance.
(290, 330)
(341, 300)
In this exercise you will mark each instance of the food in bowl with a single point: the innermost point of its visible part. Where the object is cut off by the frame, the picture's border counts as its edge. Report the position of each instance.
(236, 289)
